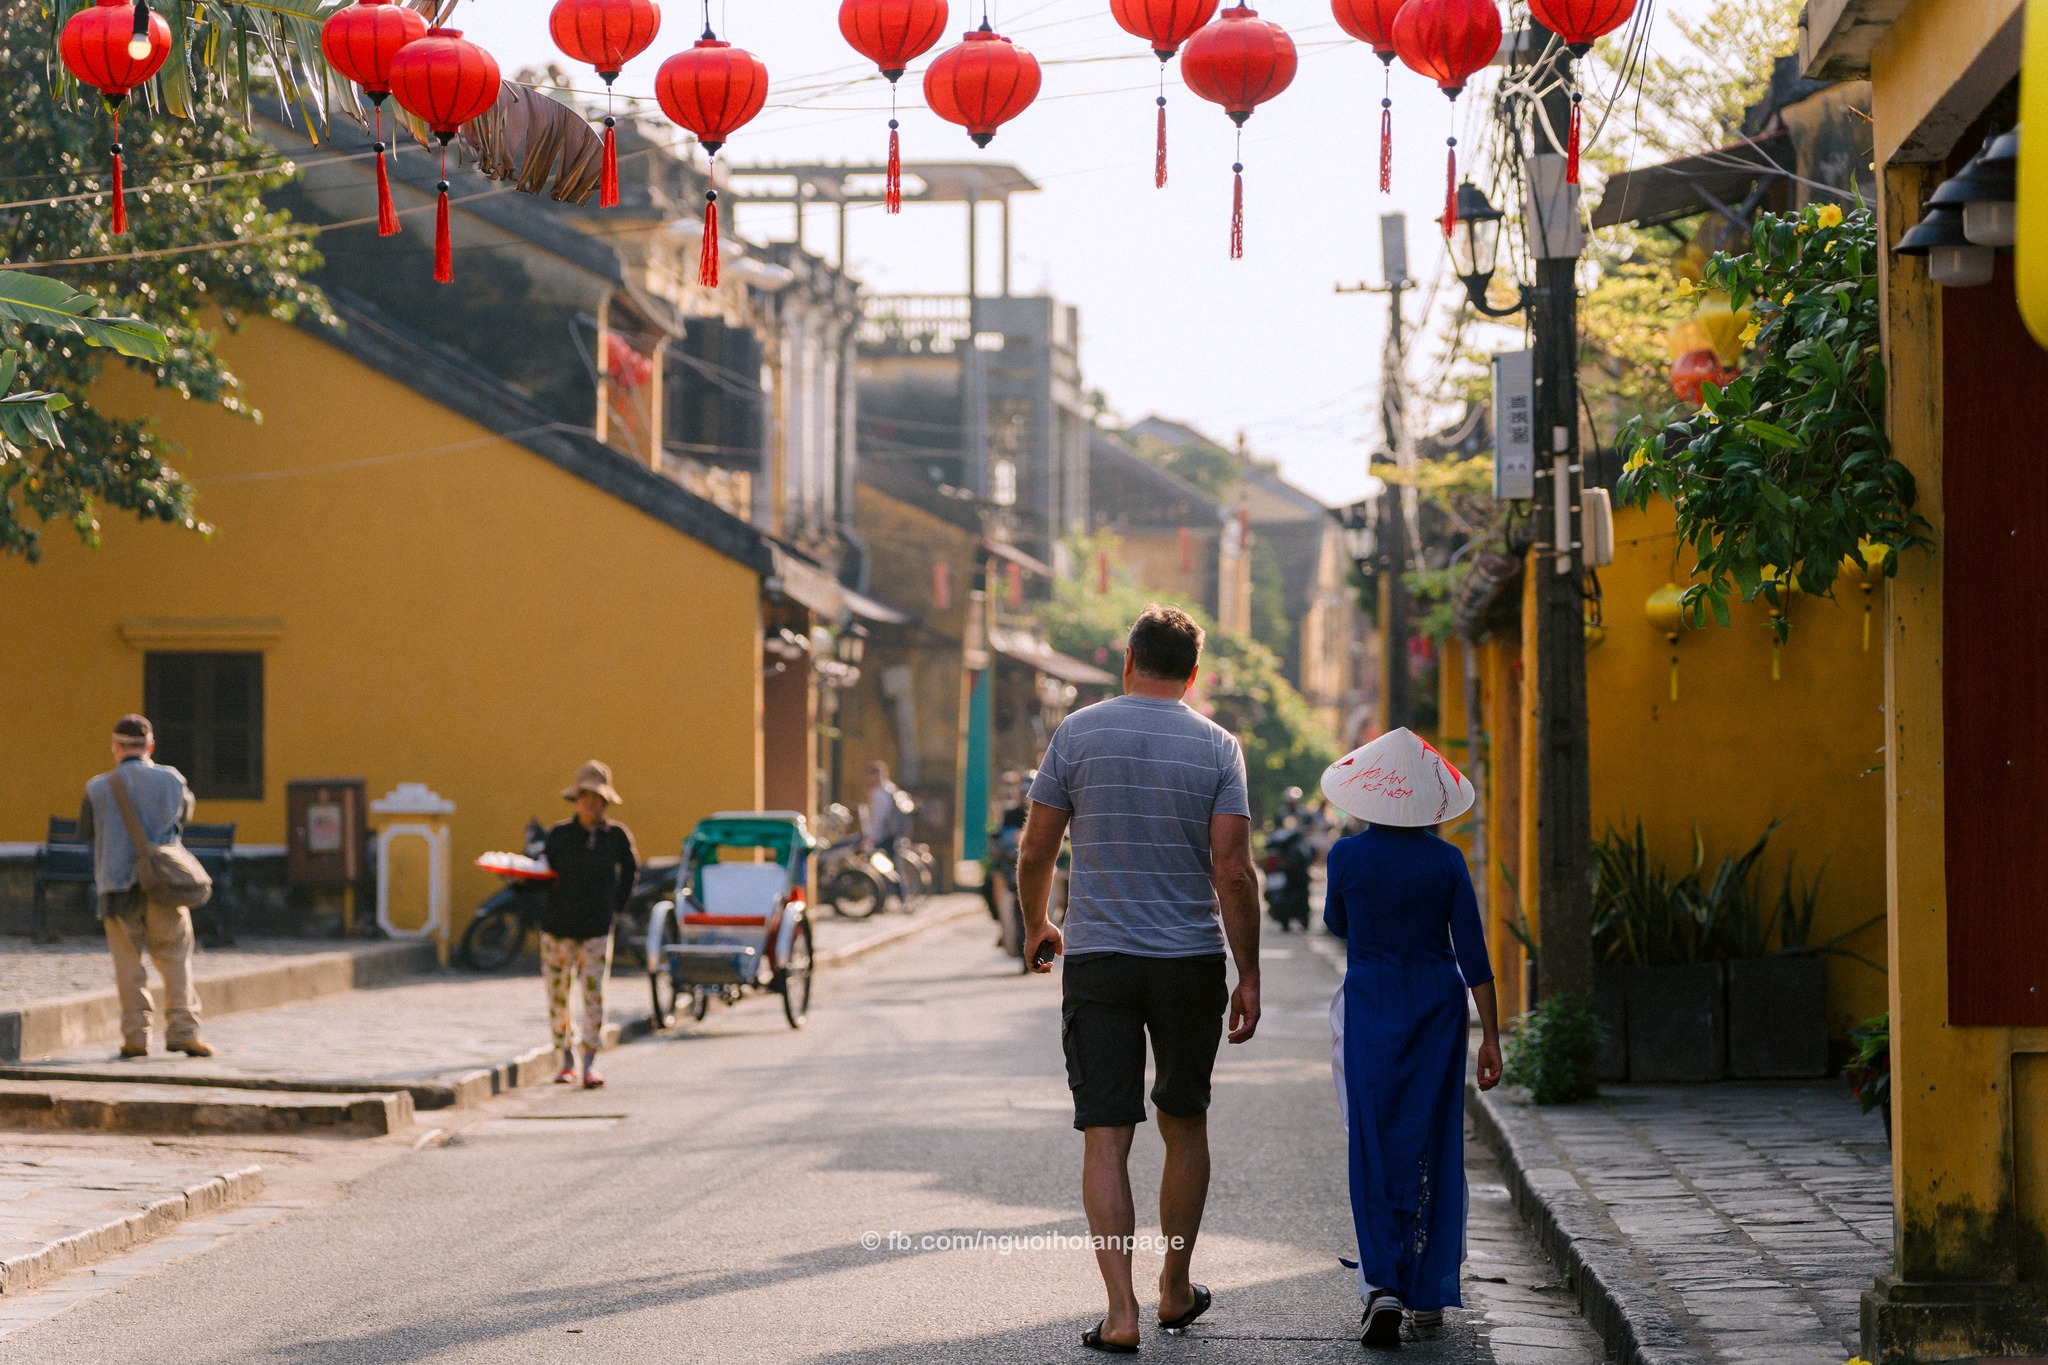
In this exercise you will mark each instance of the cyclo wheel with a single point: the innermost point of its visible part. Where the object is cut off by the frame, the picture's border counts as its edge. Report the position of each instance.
(853, 893)
(492, 941)
(661, 982)
(796, 975)
(700, 1003)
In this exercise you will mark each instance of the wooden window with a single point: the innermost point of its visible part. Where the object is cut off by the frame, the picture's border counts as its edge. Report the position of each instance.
(208, 713)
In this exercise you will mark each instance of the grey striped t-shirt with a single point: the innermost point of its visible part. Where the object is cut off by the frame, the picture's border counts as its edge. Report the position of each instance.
(1142, 776)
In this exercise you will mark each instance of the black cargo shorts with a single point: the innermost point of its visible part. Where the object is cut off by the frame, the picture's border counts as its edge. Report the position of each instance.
(1109, 1002)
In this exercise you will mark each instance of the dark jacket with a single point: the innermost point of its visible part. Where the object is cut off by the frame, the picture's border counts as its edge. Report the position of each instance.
(594, 874)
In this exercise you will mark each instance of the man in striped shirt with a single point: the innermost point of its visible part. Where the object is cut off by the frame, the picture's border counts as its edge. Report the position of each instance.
(1153, 796)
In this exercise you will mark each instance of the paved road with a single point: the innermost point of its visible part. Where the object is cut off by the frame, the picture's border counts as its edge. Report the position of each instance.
(731, 1196)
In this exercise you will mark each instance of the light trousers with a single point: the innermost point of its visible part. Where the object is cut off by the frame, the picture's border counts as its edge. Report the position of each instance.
(569, 964)
(165, 932)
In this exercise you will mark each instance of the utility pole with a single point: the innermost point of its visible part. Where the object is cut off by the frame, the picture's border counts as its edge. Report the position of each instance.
(1394, 516)
(1563, 785)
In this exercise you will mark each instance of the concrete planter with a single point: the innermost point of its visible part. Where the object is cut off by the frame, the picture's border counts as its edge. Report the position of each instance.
(1677, 1022)
(1778, 1018)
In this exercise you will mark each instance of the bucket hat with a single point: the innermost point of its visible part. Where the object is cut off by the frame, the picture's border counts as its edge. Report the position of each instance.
(593, 777)
(1398, 779)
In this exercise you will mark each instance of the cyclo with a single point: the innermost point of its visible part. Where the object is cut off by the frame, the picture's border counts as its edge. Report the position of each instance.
(737, 920)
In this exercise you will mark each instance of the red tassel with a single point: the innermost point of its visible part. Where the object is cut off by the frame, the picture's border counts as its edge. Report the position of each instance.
(893, 195)
(1451, 188)
(608, 178)
(387, 216)
(1386, 145)
(1571, 152)
(120, 190)
(444, 250)
(1159, 156)
(707, 259)
(1237, 216)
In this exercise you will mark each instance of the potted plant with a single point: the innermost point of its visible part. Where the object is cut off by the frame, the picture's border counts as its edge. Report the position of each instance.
(1655, 937)
(1869, 1071)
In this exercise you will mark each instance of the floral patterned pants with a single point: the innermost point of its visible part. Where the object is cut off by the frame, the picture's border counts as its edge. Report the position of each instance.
(567, 963)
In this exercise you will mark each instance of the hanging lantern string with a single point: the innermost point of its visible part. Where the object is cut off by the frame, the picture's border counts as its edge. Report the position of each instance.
(892, 194)
(1387, 128)
(1159, 153)
(1237, 201)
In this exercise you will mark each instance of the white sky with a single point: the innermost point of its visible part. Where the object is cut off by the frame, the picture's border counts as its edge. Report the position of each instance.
(1169, 323)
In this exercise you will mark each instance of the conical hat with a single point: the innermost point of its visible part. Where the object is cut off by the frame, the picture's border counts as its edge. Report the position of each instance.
(1398, 780)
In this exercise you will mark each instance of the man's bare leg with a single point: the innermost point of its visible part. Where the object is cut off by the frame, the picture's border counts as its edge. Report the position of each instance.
(1183, 1190)
(1106, 1195)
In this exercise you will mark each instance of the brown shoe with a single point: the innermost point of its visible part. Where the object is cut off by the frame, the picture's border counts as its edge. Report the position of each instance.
(191, 1047)
(134, 1050)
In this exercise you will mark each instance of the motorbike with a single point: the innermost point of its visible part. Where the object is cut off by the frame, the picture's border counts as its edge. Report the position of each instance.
(499, 927)
(1286, 863)
(999, 887)
(857, 881)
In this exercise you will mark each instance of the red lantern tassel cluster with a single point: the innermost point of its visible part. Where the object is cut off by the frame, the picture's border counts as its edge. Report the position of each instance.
(707, 255)
(120, 190)
(608, 177)
(1237, 212)
(892, 196)
(1386, 144)
(1571, 152)
(1240, 61)
(1450, 186)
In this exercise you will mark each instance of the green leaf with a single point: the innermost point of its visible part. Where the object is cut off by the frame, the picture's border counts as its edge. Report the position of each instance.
(41, 301)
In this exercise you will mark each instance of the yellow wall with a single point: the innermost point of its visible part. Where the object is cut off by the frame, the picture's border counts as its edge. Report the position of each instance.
(1739, 749)
(456, 611)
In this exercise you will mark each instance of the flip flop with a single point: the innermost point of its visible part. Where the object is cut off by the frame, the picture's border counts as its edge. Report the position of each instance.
(1203, 1299)
(1092, 1339)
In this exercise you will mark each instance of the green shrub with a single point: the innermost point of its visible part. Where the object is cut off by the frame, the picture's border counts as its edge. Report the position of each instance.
(1550, 1050)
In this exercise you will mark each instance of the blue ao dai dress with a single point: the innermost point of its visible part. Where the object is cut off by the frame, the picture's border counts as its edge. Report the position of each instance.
(1402, 901)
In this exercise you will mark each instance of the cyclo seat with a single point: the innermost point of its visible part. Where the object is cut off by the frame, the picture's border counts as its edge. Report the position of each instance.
(739, 895)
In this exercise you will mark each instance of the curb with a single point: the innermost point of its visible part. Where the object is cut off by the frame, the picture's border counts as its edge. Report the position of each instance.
(65, 1022)
(888, 938)
(25, 1270)
(148, 1109)
(1573, 1231)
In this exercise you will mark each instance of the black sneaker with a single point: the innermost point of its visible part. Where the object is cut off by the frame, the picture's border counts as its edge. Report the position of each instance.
(1382, 1321)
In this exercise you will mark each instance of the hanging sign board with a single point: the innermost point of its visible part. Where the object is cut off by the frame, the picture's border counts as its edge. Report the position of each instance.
(1514, 425)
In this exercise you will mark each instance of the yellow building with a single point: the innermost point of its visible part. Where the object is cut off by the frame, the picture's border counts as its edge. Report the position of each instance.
(411, 579)
(1966, 665)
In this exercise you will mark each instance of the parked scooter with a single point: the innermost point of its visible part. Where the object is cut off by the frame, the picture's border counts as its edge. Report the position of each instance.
(499, 928)
(1288, 857)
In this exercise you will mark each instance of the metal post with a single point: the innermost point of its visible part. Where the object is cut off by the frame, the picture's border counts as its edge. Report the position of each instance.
(1563, 782)
(801, 187)
(842, 236)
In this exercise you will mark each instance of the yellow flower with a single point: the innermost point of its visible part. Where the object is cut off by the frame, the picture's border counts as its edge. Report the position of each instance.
(1637, 460)
(1749, 335)
(1827, 216)
(1685, 289)
(1787, 300)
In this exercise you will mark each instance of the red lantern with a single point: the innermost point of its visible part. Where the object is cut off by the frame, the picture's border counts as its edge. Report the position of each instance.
(113, 47)
(1372, 23)
(1447, 40)
(444, 81)
(1695, 368)
(360, 42)
(1165, 24)
(1239, 62)
(981, 83)
(1580, 23)
(712, 89)
(892, 34)
(605, 34)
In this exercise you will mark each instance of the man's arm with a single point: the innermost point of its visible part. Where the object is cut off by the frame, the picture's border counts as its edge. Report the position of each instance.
(1038, 852)
(1237, 891)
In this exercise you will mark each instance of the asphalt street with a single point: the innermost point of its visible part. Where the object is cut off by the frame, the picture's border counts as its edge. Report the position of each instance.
(889, 1184)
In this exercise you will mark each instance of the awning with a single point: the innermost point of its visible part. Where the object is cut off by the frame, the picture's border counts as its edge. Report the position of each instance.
(1018, 557)
(804, 583)
(1055, 664)
(881, 613)
(1693, 184)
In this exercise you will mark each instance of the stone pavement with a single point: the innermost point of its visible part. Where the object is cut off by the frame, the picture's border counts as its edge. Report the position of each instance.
(31, 971)
(1709, 1223)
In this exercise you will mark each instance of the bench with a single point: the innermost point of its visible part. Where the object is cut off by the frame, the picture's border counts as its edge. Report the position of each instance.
(214, 847)
(63, 859)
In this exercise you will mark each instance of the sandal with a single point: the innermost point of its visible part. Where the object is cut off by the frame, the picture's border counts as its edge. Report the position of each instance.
(1092, 1339)
(592, 1080)
(1203, 1299)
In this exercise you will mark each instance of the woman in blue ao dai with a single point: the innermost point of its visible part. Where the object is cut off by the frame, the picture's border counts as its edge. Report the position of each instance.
(1401, 899)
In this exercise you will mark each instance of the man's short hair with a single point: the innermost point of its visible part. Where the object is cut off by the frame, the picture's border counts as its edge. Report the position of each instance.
(134, 729)
(877, 768)
(1166, 643)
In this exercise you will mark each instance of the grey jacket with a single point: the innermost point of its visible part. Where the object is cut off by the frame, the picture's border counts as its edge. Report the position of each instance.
(162, 802)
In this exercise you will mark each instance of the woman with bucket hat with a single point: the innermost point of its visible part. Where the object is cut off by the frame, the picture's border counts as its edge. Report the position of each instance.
(595, 865)
(1402, 900)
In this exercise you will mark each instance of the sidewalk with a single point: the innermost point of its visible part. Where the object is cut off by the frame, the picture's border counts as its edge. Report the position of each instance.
(1708, 1223)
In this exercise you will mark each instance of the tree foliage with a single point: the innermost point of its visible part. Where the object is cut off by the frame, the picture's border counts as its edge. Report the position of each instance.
(1787, 472)
(58, 148)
